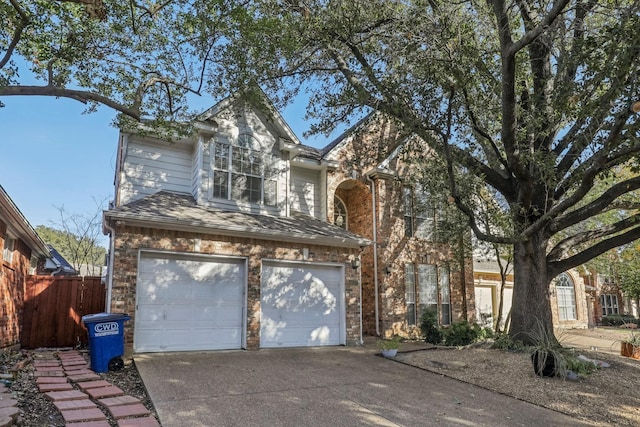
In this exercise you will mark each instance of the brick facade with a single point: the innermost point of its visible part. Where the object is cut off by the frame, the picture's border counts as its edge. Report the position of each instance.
(12, 284)
(130, 240)
(357, 157)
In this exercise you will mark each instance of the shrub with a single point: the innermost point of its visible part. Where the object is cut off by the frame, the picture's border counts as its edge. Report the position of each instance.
(581, 367)
(504, 342)
(618, 320)
(429, 327)
(462, 333)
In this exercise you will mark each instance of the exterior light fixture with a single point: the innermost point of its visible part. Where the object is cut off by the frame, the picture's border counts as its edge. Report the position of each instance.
(355, 263)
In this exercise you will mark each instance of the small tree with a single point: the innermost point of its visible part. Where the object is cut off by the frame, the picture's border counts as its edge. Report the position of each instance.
(77, 238)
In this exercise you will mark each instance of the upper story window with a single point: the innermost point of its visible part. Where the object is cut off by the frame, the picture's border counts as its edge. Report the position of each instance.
(407, 197)
(244, 174)
(340, 216)
(7, 251)
(419, 214)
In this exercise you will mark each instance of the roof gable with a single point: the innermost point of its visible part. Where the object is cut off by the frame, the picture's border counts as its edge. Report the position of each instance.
(260, 103)
(17, 222)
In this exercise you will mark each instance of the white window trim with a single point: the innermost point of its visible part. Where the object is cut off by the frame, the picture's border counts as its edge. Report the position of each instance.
(230, 172)
(8, 249)
(419, 291)
(566, 311)
(346, 213)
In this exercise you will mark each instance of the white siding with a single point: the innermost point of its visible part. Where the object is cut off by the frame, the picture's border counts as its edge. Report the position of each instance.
(305, 192)
(196, 170)
(264, 139)
(149, 168)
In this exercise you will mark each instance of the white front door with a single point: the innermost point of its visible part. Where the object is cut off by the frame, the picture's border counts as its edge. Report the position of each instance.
(301, 305)
(189, 303)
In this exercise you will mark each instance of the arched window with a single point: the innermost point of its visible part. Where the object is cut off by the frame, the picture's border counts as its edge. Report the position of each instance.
(339, 213)
(566, 297)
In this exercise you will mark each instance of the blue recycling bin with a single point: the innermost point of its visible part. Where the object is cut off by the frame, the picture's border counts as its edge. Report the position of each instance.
(106, 340)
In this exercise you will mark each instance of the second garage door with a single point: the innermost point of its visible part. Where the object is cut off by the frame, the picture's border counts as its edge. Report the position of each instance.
(189, 303)
(301, 305)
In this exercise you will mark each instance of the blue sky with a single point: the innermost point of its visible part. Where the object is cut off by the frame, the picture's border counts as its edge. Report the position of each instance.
(53, 155)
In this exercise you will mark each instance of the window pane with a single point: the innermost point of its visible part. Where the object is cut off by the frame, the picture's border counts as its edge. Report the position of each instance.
(410, 293)
(8, 249)
(246, 188)
(427, 287)
(244, 174)
(339, 213)
(408, 211)
(270, 192)
(221, 156)
(220, 184)
(425, 217)
(566, 297)
(445, 295)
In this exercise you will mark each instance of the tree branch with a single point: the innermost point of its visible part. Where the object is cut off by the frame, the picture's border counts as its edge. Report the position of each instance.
(595, 207)
(24, 21)
(543, 26)
(78, 95)
(556, 267)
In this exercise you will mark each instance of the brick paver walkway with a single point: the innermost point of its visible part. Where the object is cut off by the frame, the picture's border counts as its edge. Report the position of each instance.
(83, 397)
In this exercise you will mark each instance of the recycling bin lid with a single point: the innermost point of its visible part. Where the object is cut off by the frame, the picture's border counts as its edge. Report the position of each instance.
(104, 317)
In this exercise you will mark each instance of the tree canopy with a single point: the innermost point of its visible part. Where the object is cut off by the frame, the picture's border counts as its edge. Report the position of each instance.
(537, 100)
(140, 58)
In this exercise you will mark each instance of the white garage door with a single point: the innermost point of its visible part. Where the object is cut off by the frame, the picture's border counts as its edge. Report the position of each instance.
(484, 305)
(189, 303)
(301, 305)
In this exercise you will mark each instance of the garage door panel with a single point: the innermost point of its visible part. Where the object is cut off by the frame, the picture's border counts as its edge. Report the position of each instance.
(148, 339)
(189, 304)
(150, 314)
(301, 305)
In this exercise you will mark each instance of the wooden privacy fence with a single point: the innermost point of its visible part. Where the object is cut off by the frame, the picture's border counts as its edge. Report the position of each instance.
(53, 309)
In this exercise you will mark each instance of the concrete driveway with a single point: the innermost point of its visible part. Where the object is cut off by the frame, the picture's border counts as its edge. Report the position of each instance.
(334, 386)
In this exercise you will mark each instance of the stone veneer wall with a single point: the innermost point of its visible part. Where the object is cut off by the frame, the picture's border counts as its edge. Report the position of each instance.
(129, 241)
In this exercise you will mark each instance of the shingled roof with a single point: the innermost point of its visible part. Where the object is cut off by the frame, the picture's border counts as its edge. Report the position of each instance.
(178, 211)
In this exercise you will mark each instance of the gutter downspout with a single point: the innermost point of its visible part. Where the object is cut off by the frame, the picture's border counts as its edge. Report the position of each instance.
(360, 282)
(375, 250)
(112, 245)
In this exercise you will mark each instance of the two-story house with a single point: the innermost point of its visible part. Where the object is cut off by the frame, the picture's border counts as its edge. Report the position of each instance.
(242, 237)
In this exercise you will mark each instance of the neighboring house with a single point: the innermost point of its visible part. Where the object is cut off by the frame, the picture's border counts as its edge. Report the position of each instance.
(242, 237)
(23, 253)
(94, 270)
(59, 265)
(607, 298)
(487, 282)
(570, 302)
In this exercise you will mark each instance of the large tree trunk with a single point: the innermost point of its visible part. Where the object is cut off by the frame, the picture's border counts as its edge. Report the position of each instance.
(531, 307)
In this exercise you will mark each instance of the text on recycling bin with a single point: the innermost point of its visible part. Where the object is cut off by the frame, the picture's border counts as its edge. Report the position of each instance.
(109, 328)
